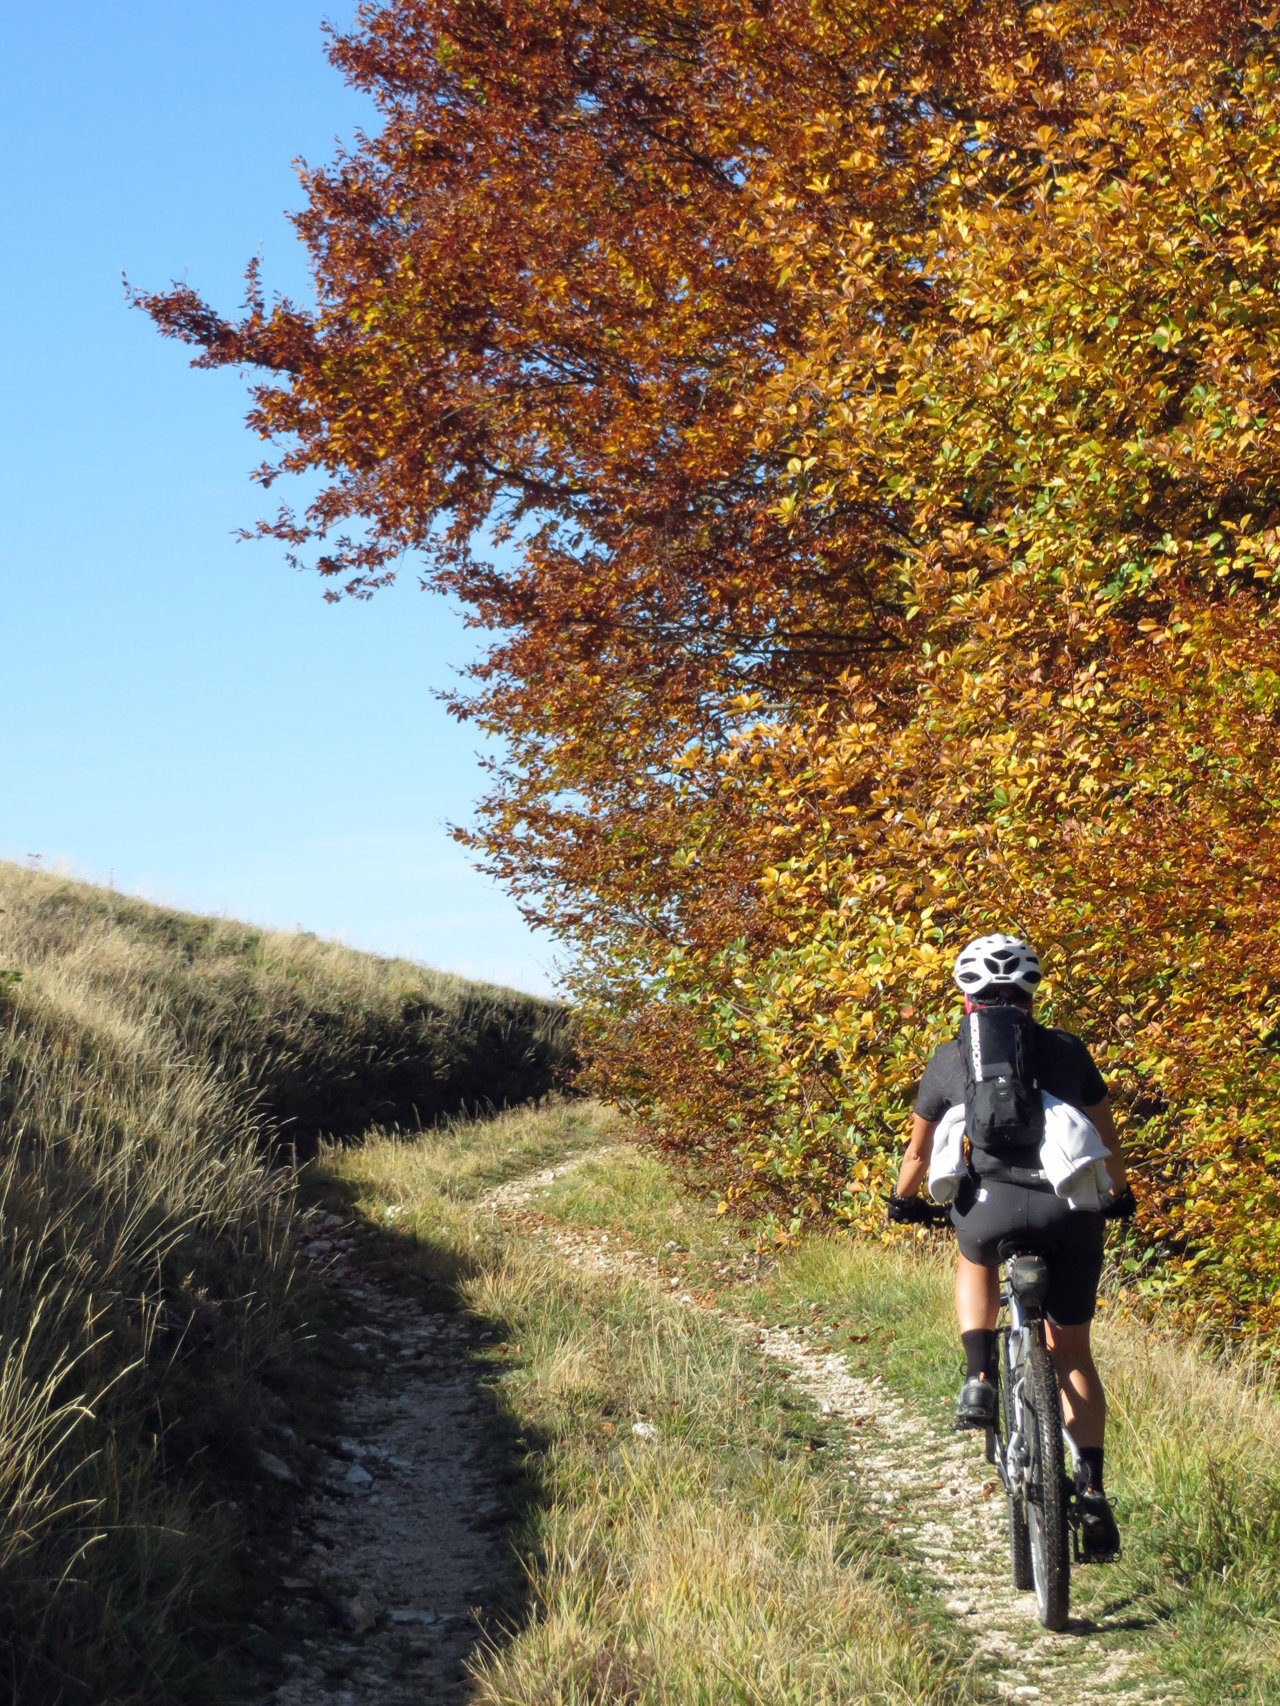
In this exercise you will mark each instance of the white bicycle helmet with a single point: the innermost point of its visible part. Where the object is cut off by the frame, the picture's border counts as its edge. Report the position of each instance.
(998, 962)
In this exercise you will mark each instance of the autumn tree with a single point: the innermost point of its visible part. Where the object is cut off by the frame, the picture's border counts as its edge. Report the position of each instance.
(805, 363)
(549, 305)
(1078, 735)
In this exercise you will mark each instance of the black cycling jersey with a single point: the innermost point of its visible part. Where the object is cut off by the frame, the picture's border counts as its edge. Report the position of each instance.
(988, 1209)
(1064, 1067)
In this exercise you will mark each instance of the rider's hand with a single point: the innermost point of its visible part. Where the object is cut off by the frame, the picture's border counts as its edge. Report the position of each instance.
(1121, 1205)
(910, 1211)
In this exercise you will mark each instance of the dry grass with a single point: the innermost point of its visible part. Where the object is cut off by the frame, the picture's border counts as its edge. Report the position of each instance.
(148, 1322)
(144, 1279)
(1193, 1447)
(329, 1041)
(704, 1561)
(1196, 1440)
(704, 1564)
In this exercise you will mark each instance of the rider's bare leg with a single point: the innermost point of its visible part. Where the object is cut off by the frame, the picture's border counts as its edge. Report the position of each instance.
(977, 1295)
(1084, 1407)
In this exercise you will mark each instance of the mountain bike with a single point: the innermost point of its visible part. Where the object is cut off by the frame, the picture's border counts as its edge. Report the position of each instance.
(1027, 1443)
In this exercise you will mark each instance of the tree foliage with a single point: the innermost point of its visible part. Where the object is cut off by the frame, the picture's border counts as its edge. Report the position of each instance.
(875, 405)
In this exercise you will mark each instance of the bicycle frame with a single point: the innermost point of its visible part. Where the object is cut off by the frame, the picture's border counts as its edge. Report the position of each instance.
(1020, 1329)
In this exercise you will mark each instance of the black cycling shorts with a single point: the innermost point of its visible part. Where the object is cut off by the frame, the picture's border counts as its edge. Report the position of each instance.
(1070, 1239)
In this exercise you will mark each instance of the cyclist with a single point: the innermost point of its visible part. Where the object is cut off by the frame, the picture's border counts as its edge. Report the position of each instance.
(999, 1200)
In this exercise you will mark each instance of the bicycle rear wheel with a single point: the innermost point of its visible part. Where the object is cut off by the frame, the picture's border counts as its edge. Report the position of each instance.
(1047, 1491)
(1019, 1536)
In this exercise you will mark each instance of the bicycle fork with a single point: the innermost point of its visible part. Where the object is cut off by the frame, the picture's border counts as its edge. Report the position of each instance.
(1012, 1459)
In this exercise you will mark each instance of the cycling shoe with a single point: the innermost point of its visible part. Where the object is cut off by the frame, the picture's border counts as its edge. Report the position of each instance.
(976, 1405)
(1099, 1536)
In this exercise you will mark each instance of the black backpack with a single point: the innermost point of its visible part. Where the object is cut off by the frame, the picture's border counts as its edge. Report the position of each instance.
(1003, 1112)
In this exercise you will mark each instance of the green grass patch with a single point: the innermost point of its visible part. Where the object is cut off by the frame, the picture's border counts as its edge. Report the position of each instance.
(459, 1160)
(686, 1545)
(1193, 1438)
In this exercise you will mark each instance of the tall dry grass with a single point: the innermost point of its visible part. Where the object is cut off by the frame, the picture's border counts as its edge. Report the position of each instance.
(144, 1297)
(330, 1041)
(152, 1068)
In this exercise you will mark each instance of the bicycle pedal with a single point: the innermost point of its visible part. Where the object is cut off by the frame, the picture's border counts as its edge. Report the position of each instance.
(1081, 1553)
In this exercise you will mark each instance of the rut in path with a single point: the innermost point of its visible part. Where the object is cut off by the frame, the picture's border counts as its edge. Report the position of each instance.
(402, 1554)
(940, 1499)
(401, 1544)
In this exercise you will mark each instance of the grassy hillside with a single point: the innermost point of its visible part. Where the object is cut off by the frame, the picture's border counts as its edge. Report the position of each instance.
(151, 1065)
(329, 1040)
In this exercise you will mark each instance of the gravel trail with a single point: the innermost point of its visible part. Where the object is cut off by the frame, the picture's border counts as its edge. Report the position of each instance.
(401, 1543)
(401, 1551)
(942, 1501)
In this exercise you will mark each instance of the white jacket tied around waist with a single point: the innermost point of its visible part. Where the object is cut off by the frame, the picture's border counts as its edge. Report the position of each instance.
(1072, 1155)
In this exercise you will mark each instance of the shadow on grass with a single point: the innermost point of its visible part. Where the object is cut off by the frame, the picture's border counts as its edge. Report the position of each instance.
(1108, 1625)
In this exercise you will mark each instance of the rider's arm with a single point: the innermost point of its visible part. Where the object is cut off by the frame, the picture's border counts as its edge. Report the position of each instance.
(1100, 1114)
(915, 1163)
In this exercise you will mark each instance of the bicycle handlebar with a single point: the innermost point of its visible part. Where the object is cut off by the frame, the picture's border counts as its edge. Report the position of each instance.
(911, 1211)
(1123, 1206)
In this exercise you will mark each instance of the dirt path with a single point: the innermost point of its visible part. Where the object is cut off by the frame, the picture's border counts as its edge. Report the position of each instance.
(401, 1549)
(397, 1548)
(941, 1499)
(401, 1546)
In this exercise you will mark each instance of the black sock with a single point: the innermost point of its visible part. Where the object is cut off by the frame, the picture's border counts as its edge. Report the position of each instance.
(979, 1352)
(1089, 1469)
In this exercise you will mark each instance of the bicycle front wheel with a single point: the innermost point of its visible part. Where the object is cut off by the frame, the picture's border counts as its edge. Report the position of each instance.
(1047, 1491)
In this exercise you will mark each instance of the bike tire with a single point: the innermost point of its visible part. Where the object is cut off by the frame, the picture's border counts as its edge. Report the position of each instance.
(1019, 1534)
(1047, 1503)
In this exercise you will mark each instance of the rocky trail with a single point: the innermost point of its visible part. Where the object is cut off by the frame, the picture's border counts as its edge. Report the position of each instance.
(401, 1545)
(941, 1500)
(402, 1548)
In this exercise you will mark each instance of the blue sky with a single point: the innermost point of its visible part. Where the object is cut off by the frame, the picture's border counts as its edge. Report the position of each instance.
(178, 712)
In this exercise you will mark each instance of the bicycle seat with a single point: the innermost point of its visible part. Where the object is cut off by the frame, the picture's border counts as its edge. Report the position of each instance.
(1008, 1248)
(1028, 1272)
